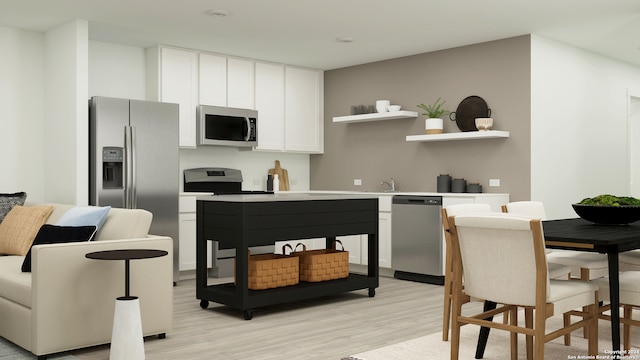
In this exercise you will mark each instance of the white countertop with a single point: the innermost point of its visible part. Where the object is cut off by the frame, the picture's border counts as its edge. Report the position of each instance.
(389, 193)
(287, 196)
(382, 193)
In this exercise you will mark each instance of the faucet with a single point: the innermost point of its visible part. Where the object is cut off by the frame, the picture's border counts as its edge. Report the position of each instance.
(390, 183)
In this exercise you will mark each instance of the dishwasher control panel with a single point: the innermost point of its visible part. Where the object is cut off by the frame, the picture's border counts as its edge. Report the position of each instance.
(417, 200)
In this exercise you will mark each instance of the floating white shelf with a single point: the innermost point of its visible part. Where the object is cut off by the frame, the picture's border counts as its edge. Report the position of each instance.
(402, 114)
(490, 134)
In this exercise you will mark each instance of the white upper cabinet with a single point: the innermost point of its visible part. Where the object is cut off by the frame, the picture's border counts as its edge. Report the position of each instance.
(270, 105)
(213, 80)
(179, 84)
(303, 110)
(240, 83)
(289, 100)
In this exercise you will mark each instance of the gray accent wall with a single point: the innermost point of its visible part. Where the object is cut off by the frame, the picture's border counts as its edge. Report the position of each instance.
(498, 71)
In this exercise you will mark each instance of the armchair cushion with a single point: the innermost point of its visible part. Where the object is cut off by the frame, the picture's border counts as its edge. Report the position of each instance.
(20, 226)
(53, 234)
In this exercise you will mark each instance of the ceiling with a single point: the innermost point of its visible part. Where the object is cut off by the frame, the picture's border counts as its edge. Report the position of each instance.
(304, 32)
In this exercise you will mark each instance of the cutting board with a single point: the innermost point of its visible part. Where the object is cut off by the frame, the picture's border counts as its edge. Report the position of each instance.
(283, 176)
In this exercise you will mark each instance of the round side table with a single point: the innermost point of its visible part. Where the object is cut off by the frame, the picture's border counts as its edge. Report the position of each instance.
(127, 341)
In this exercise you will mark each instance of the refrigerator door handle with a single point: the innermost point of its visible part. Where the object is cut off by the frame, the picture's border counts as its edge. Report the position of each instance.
(134, 170)
(128, 167)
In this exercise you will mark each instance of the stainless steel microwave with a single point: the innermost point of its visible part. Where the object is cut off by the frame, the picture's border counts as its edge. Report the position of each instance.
(227, 126)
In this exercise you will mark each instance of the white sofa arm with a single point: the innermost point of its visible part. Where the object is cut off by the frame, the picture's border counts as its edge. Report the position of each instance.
(73, 298)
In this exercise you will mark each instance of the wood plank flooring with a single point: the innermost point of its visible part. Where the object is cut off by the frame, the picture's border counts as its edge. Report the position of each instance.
(327, 328)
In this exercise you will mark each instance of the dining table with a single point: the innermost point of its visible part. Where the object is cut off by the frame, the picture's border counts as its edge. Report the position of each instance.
(582, 235)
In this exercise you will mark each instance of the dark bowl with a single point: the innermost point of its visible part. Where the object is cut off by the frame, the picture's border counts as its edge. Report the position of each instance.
(608, 215)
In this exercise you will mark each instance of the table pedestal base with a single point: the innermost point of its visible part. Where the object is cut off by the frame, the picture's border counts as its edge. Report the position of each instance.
(126, 339)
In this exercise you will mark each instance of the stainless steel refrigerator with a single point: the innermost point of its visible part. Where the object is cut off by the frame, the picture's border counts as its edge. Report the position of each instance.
(134, 161)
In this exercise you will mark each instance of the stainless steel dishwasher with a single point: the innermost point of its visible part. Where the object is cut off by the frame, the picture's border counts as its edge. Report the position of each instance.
(416, 238)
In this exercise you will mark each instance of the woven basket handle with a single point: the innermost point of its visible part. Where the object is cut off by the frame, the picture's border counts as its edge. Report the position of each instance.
(284, 249)
(335, 247)
(304, 247)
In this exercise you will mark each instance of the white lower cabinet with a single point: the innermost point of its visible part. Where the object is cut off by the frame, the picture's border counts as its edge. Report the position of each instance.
(187, 234)
(187, 241)
(311, 244)
(358, 245)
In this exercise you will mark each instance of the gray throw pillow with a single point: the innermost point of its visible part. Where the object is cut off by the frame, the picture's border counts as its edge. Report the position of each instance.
(8, 201)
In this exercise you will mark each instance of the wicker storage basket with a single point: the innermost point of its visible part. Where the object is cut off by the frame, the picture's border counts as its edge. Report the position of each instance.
(268, 271)
(323, 264)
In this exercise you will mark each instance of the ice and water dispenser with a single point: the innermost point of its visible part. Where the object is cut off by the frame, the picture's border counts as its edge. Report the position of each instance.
(112, 167)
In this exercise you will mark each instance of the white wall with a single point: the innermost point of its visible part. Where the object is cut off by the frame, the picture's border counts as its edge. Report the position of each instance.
(21, 112)
(116, 71)
(578, 125)
(66, 126)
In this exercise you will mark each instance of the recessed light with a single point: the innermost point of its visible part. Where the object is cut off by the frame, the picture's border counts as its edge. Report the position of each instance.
(345, 39)
(217, 13)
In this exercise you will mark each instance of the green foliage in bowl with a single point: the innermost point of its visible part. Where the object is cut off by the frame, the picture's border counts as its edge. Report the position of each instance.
(611, 200)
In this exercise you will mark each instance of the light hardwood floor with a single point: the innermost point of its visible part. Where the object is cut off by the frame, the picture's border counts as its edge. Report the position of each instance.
(327, 328)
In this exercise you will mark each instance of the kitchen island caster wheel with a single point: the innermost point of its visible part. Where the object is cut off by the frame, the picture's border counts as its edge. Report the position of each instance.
(248, 314)
(204, 304)
(372, 292)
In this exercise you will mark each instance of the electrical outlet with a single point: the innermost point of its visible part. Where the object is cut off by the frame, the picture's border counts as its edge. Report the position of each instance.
(357, 182)
(494, 182)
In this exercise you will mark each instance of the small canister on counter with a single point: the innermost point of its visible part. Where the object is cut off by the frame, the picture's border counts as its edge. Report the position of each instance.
(444, 183)
(474, 188)
(458, 185)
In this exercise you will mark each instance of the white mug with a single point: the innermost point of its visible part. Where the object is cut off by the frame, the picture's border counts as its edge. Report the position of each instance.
(381, 105)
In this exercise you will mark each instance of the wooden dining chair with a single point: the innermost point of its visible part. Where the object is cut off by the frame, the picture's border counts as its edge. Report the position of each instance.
(535, 210)
(453, 210)
(629, 282)
(584, 266)
(629, 260)
(518, 281)
(556, 271)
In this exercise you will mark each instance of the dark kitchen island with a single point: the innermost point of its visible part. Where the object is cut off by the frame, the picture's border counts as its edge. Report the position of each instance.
(242, 221)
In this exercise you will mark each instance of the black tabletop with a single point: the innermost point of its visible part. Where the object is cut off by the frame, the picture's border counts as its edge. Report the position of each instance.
(126, 254)
(624, 237)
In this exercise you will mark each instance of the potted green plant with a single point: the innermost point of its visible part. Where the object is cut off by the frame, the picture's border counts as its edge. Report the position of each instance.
(434, 112)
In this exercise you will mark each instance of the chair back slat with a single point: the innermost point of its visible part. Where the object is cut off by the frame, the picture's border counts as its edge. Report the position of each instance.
(528, 209)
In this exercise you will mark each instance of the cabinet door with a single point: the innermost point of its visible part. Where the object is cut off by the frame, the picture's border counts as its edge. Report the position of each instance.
(270, 106)
(311, 244)
(213, 80)
(303, 110)
(384, 242)
(240, 84)
(179, 79)
(352, 244)
(187, 245)
(187, 241)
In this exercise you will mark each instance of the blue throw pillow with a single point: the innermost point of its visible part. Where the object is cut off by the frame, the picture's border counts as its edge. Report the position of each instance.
(85, 216)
